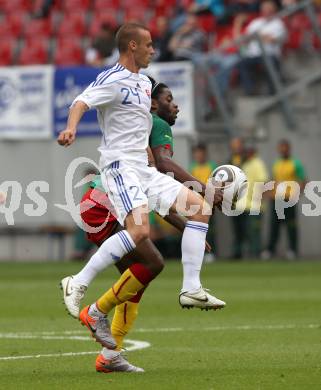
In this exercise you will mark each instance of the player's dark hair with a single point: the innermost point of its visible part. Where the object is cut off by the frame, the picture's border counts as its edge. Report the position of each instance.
(284, 141)
(126, 33)
(157, 88)
(200, 146)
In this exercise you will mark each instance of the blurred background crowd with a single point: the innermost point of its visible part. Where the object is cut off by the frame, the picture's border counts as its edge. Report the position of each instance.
(251, 49)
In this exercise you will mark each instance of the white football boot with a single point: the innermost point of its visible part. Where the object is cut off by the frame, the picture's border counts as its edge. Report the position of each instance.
(73, 295)
(200, 299)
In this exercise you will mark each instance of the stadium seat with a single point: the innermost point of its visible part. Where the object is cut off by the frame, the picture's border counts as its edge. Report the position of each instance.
(72, 5)
(207, 22)
(7, 46)
(163, 10)
(34, 52)
(105, 5)
(294, 40)
(141, 15)
(68, 52)
(14, 23)
(37, 28)
(9, 6)
(127, 4)
(316, 42)
(100, 18)
(299, 21)
(73, 24)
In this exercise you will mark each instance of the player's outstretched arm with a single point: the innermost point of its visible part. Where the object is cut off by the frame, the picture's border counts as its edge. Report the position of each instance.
(68, 136)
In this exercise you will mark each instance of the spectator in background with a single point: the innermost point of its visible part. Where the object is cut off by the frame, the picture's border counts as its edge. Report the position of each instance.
(222, 10)
(201, 168)
(285, 169)
(222, 59)
(272, 31)
(239, 6)
(247, 233)
(236, 158)
(103, 49)
(216, 7)
(161, 42)
(188, 41)
(237, 151)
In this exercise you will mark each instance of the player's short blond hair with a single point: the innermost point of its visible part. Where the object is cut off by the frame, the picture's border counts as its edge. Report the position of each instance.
(126, 33)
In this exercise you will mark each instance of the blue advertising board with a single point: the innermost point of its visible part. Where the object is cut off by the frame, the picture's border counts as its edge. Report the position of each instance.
(69, 82)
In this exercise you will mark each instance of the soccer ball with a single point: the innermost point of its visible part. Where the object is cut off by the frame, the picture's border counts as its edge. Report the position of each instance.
(233, 181)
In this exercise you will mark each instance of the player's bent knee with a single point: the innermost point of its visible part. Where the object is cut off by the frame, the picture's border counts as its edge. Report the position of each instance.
(139, 233)
(157, 265)
(199, 217)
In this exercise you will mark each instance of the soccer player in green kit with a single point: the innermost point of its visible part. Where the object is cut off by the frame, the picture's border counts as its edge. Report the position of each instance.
(146, 263)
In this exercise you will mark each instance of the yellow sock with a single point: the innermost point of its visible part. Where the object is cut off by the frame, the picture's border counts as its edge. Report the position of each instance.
(124, 289)
(123, 320)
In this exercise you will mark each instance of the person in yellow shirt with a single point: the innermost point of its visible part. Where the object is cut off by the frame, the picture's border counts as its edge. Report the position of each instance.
(236, 158)
(201, 168)
(248, 224)
(285, 169)
(237, 151)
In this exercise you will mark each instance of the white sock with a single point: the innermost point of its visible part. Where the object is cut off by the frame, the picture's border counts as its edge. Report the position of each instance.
(93, 310)
(111, 251)
(193, 247)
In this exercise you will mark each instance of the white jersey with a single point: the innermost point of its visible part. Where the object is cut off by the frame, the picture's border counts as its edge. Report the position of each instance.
(123, 101)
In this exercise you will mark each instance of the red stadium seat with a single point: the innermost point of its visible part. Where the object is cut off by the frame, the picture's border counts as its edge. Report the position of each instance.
(68, 53)
(99, 19)
(294, 40)
(207, 23)
(34, 51)
(298, 21)
(9, 6)
(73, 24)
(72, 5)
(7, 46)
(141, 15)
(127, 4)
(14, 23)
(37, 28)
(161, 10)
(105, 5)
(164, 3)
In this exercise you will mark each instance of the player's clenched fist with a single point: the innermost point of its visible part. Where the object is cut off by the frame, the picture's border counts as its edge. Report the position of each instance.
(66, 137)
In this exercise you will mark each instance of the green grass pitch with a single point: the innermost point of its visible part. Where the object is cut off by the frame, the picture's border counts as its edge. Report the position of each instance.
(268, 336)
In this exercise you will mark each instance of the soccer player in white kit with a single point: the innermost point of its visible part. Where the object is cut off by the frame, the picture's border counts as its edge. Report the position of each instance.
(122, 98)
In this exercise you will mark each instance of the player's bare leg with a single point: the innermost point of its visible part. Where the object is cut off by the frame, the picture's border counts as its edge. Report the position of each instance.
(193, 246)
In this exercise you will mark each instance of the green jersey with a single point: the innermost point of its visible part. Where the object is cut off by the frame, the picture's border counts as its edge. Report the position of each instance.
(161, 135)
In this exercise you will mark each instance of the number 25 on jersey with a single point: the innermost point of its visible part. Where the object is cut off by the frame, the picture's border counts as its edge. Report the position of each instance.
(130, 93)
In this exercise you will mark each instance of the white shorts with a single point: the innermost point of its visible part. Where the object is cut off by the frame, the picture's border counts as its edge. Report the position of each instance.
(129, 186)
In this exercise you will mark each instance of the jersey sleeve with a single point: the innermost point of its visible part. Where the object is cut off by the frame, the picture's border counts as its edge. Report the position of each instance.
(95, 96)
(299, 170)
(161, 134)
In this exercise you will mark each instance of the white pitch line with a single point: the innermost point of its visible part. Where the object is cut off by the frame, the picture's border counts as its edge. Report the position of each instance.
(72, 334)
(223, 328)
(135, 345)
(75, 334)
